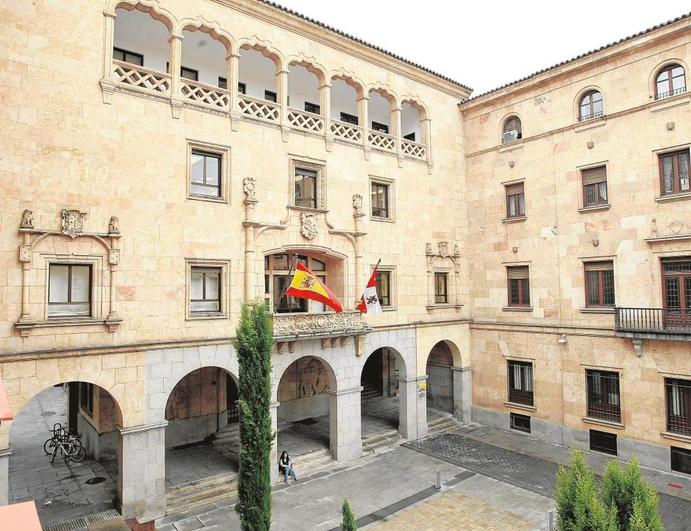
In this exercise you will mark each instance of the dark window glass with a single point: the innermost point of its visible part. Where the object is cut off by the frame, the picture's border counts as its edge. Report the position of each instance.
(205, 173)
(515, 200)
(674, 172)
(189, 73)
(518, 285)
(349, 118)
(599, 284)
(269, 95)
(69, 290)
(520, 422)
(409, 136)
(382, 128)
(603, 395)
(222, 82)
(591, 106)
(128, 57)
(312, 107)
(380, 200)
(242, 88)
(441, 295)
(205, 289)
(520, 375)
(601, 441)
(512, 130)
(681, 459)
(678, 405)
(305, 188)
(384, 287)
(594, 186)
(670, 81)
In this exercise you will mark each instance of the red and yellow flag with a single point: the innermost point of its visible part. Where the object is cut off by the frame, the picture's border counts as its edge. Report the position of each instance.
(305, 285)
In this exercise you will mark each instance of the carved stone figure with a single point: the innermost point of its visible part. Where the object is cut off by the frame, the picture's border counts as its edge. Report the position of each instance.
(308, 226)
(249, 187)
(27, 220)
(443, 248)
(72, 222)
(114, 225)
(456, 249)
(357, 206)
(428, 249)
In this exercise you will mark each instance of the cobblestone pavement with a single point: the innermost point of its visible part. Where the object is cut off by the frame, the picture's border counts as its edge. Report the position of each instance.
(59, 489)
(525, 471)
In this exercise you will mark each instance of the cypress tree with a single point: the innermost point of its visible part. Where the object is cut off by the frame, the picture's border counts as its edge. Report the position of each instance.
(348, 518)
(254, 343)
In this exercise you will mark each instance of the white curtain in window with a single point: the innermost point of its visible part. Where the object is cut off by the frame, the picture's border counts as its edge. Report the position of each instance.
(675, 401)
(517, 378)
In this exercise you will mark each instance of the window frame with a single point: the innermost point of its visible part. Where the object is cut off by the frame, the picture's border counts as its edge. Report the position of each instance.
(592, 114)
(125, 53)
(505, 128)
(441, 298)
(222, 80)
(390, 271)
(683, 425)
(523, 287)
(217, 150)
(600, 283)
(676, 173)
(390, 198)
(520, 396)
(223, 286)
(595, 447)
(313, 108)
(671, 91)
(380, 127)
(348, 118)
(598, 203)
(270, 95)
(90, 291)
(516, 426)
(604, 410)
(675, 454)
(313, 165)
(515, 198)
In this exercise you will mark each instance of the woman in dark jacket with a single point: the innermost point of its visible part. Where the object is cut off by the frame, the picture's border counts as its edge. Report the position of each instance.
(285, 465)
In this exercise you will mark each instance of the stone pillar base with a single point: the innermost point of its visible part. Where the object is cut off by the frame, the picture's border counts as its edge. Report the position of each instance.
(462, 394)
(344, 424)
(412, 422)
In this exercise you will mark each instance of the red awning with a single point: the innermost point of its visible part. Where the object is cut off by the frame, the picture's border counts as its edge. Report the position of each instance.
(20, 517)
(5, 411)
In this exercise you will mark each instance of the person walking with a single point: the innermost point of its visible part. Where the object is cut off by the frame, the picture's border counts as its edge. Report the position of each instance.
(285, 465)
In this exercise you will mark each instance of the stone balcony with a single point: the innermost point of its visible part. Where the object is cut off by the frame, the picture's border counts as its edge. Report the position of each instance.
(654, 323)
(331, 328)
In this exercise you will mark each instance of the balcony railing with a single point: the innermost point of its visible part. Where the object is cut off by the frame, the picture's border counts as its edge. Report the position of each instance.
(141, 78)
(346, 131)
(654, 320)
(414, 149)
(294, 326)
(206, 95)
(260, 109)
(669, 94)
(382, 141)
(306, 120)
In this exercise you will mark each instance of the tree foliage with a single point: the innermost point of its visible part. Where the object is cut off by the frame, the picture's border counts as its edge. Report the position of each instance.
(348, 518)
(254, 343)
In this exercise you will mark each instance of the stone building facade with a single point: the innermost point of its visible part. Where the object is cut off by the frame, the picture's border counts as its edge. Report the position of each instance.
(143, 202)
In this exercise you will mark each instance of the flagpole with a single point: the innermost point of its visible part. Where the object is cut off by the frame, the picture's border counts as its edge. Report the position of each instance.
(287, 284)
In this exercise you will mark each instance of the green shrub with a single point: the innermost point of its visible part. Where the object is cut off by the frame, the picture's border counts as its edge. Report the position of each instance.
(348, 518)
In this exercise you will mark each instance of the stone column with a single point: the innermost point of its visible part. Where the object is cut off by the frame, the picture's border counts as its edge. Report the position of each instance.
(282, 84)
(25, 257)
(396, 130)
(325, 104)
(412, 423)
(274, 445)
(107, 84)
(5, 476)
(250, 225)
(426, 134)
(363, 119)
(142, 471)
(462, 394)
(233, 76)
(174, 62)
(344, 424)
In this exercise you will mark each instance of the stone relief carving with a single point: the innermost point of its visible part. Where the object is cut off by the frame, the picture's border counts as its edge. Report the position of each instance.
(428, 249)
(25, 253)
(27, 220)
(114, 225)
(357, 206)
(676, 228)
(72, 222)
(308, 226)
(249, 187)
(443, 248)
(309, 324)
(114, 256)
(456, 249)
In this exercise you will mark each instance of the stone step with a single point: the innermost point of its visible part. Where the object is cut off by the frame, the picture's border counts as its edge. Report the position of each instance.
(379, 442)
(184, 504)
(193, 487)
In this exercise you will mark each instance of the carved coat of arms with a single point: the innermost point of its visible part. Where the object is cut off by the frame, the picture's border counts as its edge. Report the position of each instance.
(308, 225)
(72, 222)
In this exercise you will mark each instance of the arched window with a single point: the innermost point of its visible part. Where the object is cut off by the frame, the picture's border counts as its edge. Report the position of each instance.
(512, 130)
(670, 81)
(591, 106)
(277, 276)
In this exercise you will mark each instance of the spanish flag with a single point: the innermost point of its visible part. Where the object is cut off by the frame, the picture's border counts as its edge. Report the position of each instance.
(305, 285)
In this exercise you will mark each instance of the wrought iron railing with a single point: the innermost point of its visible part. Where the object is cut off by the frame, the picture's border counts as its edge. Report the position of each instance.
(591, 116)
(653, 320)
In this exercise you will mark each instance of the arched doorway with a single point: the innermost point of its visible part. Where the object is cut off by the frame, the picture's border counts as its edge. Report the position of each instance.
(64, 490)
(381, 407)
(305, 420)
(202, 438)
(440, 392)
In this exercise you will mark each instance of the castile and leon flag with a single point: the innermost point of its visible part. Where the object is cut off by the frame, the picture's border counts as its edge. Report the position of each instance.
(369, 302)
(306, 285)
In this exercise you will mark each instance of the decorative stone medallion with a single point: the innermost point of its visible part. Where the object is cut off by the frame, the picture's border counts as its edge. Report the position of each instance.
(72, 222)
(308, 226)
(249, 187)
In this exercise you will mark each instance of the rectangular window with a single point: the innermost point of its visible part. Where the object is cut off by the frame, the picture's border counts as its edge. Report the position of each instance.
(269, 95)
(599, 284)
(205, 290)
(674, 172)
(520, 422)
(349, 118)
(312, 107)
(222, 83)
(306, 187)
(242, 88)
(594, 186)
(441, 284)
(384, 288)
(380, 200)
(189, 73)
(515, 200)
(285, 304)
(520, 382)
(382, 128)
(681, 459)
(518, 278)
(128, 57)
(69, 290)
(86, 397)
(205, 173)
(678, 405)
(601, 441)
(409, 136)
(604, 400)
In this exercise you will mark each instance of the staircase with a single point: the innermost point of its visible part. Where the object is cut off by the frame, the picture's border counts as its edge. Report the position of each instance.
(222, 487)
(369, 392)
(381, 442)
(311, 462)
(442, 424)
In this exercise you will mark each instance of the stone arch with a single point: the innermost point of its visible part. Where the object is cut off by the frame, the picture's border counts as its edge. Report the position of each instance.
(416, 104)
(310, 64)
(401, 342)
(453, 350)
(387, 93)
(212, 28)
(652, 79)
(265, 48)
(505, 121)
(350, 79)
(581, 94)
(285, 363)
(150, 7)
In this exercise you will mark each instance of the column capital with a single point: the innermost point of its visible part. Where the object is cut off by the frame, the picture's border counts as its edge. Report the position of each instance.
(460, 369)
(109, 14)
(175, 36)
(326, 84)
